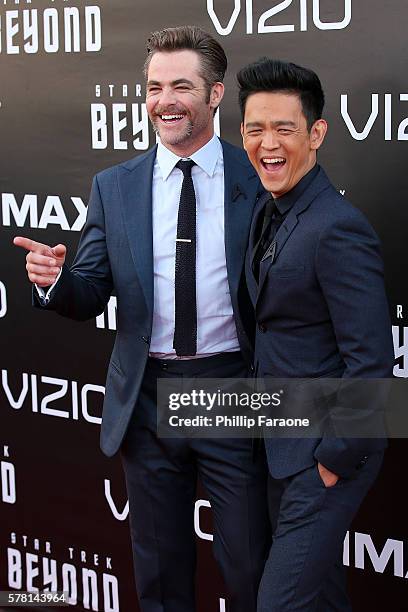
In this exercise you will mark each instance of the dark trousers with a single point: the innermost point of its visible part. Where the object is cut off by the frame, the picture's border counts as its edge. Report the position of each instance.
(161, 476)
(304, 571)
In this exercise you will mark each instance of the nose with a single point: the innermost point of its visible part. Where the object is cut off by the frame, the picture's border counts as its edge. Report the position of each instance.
(167, 96)
(270, 140)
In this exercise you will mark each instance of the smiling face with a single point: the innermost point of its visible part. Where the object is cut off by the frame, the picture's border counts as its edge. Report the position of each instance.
(277, 141)
(178, 102)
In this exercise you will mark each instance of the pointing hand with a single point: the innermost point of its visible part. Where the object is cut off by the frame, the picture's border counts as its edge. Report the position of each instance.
(43, 262)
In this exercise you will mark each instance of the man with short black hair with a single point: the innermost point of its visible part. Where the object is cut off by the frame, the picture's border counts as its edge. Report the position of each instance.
(315, 277)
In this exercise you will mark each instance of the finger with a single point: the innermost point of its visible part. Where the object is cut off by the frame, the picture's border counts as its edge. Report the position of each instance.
(31, 245)
(42, 270)
(42, 260)
(41, 280)
(60, 251)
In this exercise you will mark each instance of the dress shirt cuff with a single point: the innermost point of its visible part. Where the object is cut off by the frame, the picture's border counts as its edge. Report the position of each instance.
(45, 296)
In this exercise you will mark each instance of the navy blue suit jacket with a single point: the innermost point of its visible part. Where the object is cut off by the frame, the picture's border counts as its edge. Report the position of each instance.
(116, 253)
(321, 311)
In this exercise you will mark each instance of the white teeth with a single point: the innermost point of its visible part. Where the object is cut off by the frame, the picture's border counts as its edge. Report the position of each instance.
(273, 160)
(168, 117)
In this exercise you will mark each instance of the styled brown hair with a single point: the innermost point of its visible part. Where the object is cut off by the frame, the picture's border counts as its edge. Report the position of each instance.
(212, 56)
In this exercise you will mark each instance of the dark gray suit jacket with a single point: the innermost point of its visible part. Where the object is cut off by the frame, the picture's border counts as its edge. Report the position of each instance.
(321, 311)
(116, 253)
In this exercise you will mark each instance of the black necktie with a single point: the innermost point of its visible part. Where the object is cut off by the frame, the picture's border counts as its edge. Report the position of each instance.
(271, 223)
(185, 328)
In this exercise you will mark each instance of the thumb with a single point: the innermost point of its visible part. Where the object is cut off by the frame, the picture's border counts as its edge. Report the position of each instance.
(59, 251)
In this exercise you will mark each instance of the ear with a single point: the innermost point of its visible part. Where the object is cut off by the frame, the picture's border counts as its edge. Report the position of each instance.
(216, 95)
(242, 135)
(317, 134)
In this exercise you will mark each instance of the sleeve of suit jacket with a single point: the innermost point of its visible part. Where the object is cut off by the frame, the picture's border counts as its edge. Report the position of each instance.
(350, 272)
(83, 291)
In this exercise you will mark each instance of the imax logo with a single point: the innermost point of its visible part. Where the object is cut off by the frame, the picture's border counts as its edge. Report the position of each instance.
(27, 213)
(392, 554)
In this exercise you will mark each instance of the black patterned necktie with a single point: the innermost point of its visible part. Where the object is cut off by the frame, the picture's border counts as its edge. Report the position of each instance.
(185, 328)
(271, 222)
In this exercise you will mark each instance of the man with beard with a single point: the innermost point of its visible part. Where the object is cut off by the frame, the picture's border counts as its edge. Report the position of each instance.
(167, 231)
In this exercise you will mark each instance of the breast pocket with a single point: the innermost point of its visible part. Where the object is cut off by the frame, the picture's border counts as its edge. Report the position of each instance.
(286, 272)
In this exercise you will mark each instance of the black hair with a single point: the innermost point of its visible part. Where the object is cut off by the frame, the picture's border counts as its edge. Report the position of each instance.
(272, 75)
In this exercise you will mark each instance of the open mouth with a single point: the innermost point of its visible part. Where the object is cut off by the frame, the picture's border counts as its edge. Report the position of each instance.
(273, 164)
(171, 118)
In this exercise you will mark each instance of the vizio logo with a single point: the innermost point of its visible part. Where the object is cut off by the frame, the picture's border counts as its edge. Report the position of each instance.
(265, 25)
(380, 104)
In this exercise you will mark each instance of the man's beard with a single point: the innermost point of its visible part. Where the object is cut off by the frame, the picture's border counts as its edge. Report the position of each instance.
(176, 138)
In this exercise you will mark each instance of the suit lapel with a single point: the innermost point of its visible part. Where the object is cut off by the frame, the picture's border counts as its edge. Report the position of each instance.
(320, 183)
(135, 185)
(277, 245)
(258, 212)
(240, 189)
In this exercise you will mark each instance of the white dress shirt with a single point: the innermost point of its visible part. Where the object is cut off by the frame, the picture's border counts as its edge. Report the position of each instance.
(216, 330)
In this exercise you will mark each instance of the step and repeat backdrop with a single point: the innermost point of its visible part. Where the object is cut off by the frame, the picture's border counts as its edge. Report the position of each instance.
(71, 103)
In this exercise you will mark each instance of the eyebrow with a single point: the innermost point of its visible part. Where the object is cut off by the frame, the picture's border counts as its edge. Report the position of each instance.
(173, 83)
(279, 123)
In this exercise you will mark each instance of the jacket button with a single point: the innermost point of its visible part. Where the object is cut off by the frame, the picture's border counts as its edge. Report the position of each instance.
(362, 462)
(252, 368)
(146, 339)
(262, 328)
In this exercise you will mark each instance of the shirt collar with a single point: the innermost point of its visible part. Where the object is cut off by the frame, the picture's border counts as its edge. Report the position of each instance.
(285, 202)
(206, 157)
